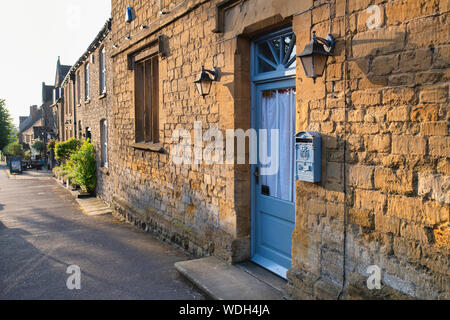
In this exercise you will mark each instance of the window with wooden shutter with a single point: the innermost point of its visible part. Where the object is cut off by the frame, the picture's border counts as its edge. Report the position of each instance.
(147, 100)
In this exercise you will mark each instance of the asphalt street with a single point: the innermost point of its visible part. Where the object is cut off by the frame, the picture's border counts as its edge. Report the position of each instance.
(43, 232)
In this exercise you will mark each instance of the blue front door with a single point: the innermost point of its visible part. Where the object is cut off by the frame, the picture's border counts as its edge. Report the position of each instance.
(273, 181)
(273, 66)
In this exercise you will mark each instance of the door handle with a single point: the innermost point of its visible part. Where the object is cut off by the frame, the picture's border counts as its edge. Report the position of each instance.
(256, 174)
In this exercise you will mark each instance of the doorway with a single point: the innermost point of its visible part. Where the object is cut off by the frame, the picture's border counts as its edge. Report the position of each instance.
(273, 118)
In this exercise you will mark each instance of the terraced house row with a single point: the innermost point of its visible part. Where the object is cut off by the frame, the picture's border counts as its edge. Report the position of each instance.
(371, 102)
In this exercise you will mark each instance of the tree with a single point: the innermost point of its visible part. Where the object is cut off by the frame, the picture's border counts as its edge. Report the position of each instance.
(6, 126)
(39, 146)
(14, 149)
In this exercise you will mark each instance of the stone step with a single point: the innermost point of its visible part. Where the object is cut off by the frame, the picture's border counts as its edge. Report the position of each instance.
(93, 206)
(222, 281)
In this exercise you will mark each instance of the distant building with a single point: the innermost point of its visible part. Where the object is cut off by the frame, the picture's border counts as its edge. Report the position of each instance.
(27, 124)
(58, 101)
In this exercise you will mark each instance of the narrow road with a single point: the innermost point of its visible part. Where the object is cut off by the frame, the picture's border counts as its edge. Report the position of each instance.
(43, 232)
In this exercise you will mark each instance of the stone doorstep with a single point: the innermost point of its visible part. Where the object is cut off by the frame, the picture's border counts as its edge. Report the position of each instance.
(222, 281)
(93, 206)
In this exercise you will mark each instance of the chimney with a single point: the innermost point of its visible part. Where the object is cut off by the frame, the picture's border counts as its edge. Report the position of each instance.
(33, 111)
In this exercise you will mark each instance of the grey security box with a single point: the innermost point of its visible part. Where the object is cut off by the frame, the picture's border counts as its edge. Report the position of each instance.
(308, 156)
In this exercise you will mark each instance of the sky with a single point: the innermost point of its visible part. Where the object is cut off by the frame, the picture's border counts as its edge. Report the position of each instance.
(32, 36)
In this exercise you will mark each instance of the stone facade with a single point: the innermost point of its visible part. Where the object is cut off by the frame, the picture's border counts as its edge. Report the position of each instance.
(381, 109)
(87, 105)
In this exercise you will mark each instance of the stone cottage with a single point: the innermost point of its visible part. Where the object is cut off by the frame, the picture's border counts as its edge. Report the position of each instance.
(27, 124)
(381, 109)
(88, 105)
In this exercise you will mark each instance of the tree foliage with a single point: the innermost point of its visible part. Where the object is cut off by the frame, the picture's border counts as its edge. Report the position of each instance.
(39, 146)
(14, 149)
(6, 126)
(51, 145)
(63, 150)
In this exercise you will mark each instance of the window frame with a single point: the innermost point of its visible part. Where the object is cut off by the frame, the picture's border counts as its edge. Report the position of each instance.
(146, 86)
(102, 71)
(87, 82)
(78, 85)
(104, 142)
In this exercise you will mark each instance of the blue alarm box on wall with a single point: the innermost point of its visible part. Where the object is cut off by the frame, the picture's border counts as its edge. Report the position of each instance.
(308, 156)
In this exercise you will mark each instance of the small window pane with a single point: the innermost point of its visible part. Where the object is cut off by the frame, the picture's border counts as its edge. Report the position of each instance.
(263, 66)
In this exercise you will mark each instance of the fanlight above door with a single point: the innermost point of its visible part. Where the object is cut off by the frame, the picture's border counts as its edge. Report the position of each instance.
(276, 54)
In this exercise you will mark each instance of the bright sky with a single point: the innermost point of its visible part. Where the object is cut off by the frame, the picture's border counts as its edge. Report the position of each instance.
(33, 34)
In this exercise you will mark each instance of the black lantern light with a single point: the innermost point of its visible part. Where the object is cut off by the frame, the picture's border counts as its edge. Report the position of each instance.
(204, 81)
(315, 55)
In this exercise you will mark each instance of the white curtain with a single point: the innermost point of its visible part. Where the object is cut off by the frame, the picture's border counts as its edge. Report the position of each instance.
(278, 112)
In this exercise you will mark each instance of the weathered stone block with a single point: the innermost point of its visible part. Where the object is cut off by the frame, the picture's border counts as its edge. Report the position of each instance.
(436, 186)
(366, 98)
(402, 144)
(414, 209)
(372, 201)
(425, 112)
(360, 176)
(388, 180)
(399, 96)
(398, 114)
(378, 143)
(438, 128)
(439, 146)
(434, 94)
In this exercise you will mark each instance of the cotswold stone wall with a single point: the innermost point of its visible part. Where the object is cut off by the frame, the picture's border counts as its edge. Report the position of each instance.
(99, 107)
(382, 109)
(88, 113)
(178, 203)
(203, 208)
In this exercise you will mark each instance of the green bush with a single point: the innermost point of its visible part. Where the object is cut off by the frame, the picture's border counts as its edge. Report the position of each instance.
(64, 150)
(83, 167)
(13, 149)
(51, 145)
(27, 155)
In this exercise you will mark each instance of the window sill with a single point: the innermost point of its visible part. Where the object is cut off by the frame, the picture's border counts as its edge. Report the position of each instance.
(149, 146)
(102, 96)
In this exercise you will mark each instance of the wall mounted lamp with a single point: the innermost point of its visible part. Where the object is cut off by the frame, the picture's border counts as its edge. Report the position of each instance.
(315, 55)
(204, 81)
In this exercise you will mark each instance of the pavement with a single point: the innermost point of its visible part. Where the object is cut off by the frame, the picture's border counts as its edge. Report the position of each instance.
(43, 232)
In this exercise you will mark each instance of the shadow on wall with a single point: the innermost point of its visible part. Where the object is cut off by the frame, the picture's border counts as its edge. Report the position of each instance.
(367, 46)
